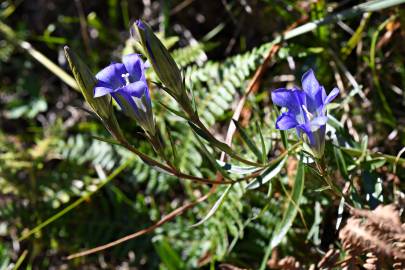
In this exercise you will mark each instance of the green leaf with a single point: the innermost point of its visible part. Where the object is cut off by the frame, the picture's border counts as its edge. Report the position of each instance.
(168, 255)
(222, 146)
(341, 162)
(340, 212)
(76, 203)
(237, 169)
(267, 175)
(249, 142)
(107, 140)
(356, 37)
(215, 207)
(211, 159)
(284, 139)
(292, 208)
(364, 144)
(178, 113)
(263, 144)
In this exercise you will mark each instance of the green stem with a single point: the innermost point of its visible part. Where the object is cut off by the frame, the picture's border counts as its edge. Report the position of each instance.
(20, 260)
(321, 166)
(150, 161)
(389, 158)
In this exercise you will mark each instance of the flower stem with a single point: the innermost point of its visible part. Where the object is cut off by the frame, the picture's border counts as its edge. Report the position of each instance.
(321, 166)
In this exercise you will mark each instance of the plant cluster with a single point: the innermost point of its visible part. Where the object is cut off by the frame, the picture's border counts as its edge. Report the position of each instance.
(180, 162)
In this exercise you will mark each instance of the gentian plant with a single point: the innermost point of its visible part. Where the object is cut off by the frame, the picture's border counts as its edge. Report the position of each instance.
(306, 110)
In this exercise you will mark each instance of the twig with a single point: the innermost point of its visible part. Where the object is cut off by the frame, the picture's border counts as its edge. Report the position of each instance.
(167, 218)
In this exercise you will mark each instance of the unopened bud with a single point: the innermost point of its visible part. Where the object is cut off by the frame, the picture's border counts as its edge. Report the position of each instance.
(160, 59)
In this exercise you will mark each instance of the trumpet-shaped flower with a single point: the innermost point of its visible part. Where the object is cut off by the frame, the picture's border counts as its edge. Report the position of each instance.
(126, 83)
(306, 110)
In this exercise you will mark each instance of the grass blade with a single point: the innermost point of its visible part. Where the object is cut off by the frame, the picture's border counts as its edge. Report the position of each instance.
(289, 215)
(292, 207)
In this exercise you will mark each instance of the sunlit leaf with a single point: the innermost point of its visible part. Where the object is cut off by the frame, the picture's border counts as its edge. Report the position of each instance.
(215, 207)
(267, 175)
(292, 208)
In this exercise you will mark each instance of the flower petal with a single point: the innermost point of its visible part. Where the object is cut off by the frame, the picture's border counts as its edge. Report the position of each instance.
(126, 102)
(140, 24)
(102, 89)
(134, 65)
(309, 83)
(136, 89)
(112, 75)
(306, 128)
(315, 104)
(331, 95)
(286, 121)
(317, 122)
(291, 99)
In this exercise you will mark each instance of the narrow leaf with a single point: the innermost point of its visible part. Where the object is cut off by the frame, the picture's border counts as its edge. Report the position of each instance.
(341, 163)
(73, 205)
(292, 208)
(340, 212)
(249, 142)
(263, 144)
(168, 255)
(211, 159)
(222, 146)
(215, 207)
(237, 169)
(267, 175)
(178, 113)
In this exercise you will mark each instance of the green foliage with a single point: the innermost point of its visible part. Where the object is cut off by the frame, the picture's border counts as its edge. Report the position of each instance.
(50, 157)
(218, 83)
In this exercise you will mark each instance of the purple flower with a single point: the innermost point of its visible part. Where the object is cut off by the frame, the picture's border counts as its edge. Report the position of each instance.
(126, 83)
(306, 110)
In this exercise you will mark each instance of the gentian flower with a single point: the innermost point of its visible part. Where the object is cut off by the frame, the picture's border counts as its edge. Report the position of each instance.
(85, 81)
(126, 83)
(306, 110)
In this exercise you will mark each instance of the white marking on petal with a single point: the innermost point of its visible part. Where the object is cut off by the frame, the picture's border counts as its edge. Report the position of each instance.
(126, 78)
(309, 115)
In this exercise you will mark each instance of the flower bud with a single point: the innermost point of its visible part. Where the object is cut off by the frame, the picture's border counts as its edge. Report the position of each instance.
(160, 59)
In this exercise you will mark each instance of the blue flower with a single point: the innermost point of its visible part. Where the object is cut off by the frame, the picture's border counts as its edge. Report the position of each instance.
(306, 110)
(126, 83)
